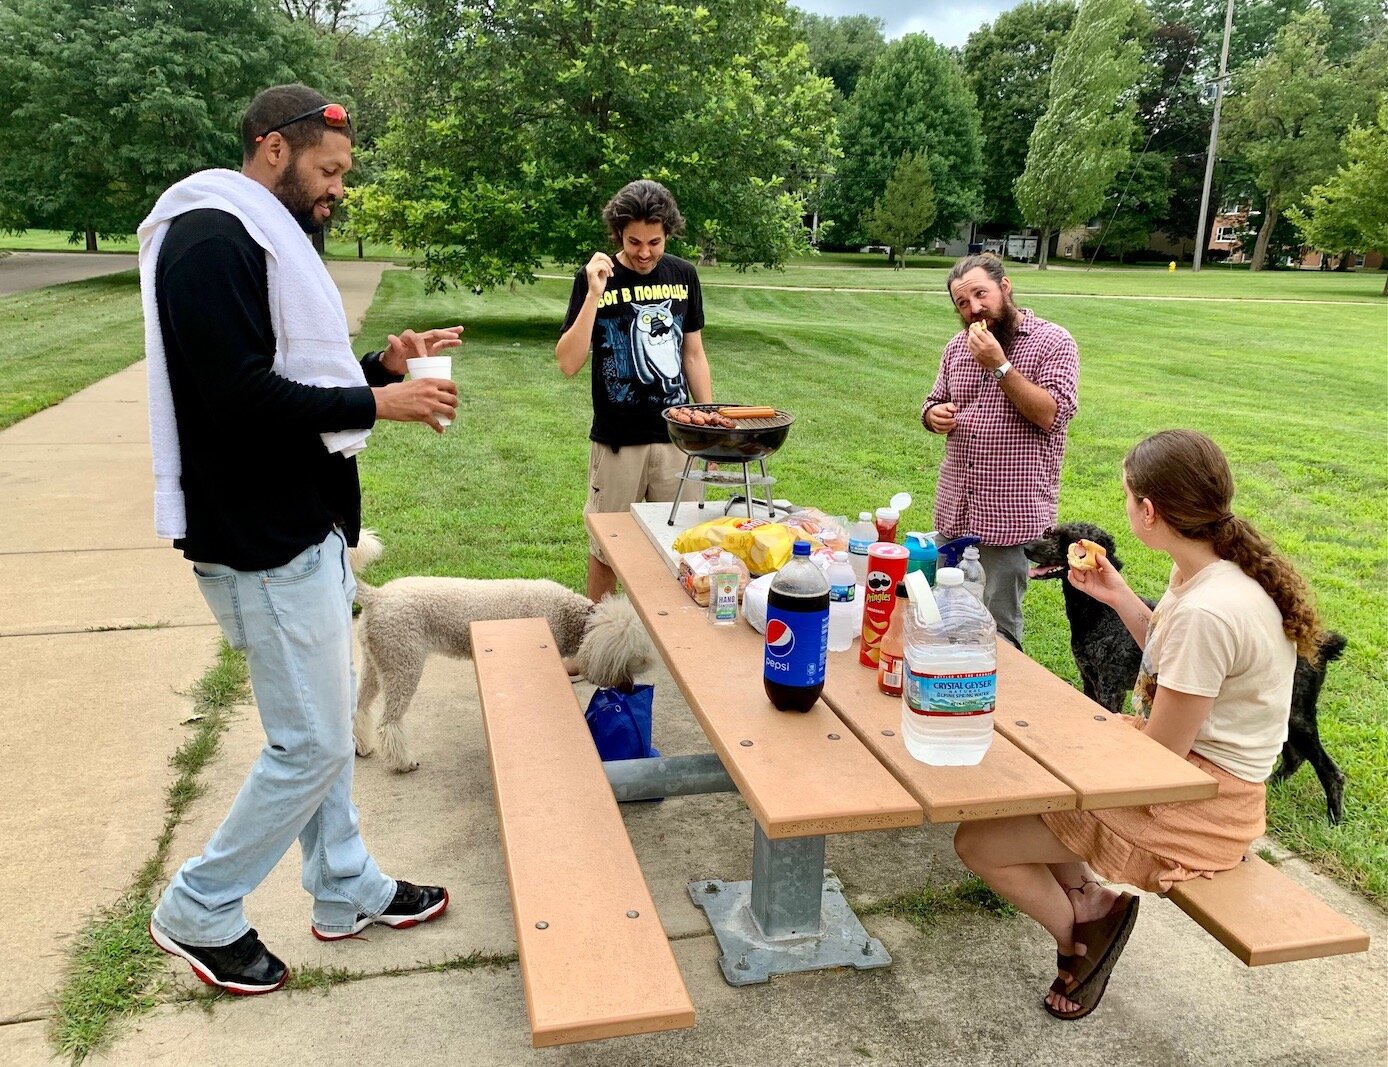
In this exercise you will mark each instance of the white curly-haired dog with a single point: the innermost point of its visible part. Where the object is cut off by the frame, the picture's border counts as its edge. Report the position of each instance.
(405, 620)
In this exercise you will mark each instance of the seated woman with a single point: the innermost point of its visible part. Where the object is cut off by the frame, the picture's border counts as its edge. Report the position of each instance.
(1219, 652)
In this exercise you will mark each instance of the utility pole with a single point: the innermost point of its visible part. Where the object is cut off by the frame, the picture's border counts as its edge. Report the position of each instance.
(1214, 138)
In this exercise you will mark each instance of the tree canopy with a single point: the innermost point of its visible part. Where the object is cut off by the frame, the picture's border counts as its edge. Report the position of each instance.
(841, 49)
(914, 97)
(1289, 111)
(1085, 136)
(1008, 64)
(514, 122)
(104, 104)
(1351, 209)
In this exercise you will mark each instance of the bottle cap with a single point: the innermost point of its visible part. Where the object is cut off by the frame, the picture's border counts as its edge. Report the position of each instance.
(949, 576)
(840, 557)
(802, 548)
(888, 514)
(971, 552)
(901, 501)
(864, 516)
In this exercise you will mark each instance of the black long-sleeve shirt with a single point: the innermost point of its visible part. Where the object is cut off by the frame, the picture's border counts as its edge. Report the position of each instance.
(258, 483)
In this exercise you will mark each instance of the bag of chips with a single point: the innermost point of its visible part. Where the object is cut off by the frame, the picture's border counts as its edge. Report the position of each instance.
(763, 546)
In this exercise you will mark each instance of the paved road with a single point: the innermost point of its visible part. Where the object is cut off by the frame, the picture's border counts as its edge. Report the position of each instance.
(34, 270)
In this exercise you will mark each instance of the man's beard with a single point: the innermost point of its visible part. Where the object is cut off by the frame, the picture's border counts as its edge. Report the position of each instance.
(293, 192)
(1004, 328)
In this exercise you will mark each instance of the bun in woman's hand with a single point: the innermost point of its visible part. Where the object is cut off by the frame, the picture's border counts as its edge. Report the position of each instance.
(1084, 555)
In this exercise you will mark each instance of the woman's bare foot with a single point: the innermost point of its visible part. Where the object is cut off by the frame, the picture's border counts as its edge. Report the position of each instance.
(1090, 901)
(1057, 1000)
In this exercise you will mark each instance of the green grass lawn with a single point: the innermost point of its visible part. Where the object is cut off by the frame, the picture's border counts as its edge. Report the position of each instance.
(1295, 392)
(59, 241)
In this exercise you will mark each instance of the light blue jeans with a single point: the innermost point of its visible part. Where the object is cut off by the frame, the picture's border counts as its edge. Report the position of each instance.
(295, 624)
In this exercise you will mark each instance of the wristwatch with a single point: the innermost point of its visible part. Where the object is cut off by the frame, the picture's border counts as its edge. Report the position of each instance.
(999, 373)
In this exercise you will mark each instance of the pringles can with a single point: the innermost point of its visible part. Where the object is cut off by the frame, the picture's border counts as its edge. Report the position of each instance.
(885, 569)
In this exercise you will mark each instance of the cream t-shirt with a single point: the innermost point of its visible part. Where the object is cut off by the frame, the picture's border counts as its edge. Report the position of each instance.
(1220, 635)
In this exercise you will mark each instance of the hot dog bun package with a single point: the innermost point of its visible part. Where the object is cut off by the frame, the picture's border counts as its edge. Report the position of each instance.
(831, 531)
(764, 546)
(697, 568)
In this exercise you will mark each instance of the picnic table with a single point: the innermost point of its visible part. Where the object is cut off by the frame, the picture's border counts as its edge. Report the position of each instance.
(842, 768)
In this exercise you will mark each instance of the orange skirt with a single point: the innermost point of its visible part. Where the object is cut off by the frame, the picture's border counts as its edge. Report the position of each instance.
(1154, 846)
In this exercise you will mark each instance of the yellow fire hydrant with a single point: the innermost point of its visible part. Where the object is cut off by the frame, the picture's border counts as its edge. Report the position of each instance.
(1171, 267)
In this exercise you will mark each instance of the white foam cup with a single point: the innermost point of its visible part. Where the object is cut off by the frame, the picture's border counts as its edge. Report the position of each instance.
(432, 367)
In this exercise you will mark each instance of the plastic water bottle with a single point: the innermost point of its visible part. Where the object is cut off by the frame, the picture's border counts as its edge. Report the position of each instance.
(797, 633)
(972, 570)
(951, 679)
(843, 592)
(860, 537)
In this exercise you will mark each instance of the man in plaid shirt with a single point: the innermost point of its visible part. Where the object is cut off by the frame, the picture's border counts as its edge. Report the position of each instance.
(1006, 392)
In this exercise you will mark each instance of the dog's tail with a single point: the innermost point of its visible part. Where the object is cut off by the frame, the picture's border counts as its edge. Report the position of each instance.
(1332, 646)
(615, 645)
(368, 550)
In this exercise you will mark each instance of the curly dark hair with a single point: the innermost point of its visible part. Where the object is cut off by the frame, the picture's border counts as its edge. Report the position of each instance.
(642, 201)
(278, 104)
(1186, 477)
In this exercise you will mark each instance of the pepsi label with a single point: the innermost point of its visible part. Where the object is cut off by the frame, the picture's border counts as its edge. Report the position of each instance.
(797, 646)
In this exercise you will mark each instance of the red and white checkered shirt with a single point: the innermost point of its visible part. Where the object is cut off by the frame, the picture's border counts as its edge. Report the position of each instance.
(1000, 479)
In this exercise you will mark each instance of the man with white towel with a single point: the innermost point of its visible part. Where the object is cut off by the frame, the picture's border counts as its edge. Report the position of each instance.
(257, 410)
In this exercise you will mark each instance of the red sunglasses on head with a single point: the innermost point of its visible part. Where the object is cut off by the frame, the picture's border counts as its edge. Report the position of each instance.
(334, 115)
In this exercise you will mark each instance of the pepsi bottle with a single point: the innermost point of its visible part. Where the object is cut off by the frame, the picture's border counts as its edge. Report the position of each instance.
(797, 633)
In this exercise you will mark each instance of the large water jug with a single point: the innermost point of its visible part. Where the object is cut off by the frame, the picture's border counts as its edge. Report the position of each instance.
(951, 678)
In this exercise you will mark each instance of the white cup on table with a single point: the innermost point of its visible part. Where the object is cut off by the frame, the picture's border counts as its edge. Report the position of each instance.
(432, 367)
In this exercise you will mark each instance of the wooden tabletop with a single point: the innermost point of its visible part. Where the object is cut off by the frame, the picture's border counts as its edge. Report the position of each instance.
(1099, 755)
(1007, 782)
(802, 775)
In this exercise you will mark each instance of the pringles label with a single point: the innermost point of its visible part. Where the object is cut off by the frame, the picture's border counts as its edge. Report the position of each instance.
(886, 569)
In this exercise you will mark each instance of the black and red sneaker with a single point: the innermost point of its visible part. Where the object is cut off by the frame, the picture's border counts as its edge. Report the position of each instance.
(411, 905)
(244, 967)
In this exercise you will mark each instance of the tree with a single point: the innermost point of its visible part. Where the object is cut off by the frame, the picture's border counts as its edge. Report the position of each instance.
(905, 211)
(1133, 204)
(914, 97)
(104, 104)
(1351, 209)
(515, 121)
(1008, 65)
(841, 49)
(1354, 23)
(1085, 136)
(1286, 118)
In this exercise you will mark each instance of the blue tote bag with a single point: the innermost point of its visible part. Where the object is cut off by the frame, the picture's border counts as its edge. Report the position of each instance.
(621, 723)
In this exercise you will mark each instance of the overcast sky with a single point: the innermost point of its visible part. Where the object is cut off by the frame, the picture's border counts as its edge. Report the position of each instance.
(948, 21)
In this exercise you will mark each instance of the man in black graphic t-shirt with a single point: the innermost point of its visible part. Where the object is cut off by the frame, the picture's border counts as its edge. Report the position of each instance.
(642, 314)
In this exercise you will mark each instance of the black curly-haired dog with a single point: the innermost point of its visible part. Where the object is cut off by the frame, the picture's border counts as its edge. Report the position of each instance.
(1108, 658)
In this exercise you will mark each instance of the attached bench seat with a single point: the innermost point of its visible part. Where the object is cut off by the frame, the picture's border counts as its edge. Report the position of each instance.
(595, 959)
(1262, 916)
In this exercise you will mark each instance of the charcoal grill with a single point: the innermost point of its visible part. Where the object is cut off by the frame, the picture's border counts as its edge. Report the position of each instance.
(750, 441)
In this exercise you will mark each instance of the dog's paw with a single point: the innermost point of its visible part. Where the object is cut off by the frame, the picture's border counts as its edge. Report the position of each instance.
(364, 749)
(406, 768)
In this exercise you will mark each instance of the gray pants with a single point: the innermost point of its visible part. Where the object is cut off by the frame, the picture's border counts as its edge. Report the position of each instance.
(1005, 581)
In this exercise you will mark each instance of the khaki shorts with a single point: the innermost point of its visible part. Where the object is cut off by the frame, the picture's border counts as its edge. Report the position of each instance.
(616, 480)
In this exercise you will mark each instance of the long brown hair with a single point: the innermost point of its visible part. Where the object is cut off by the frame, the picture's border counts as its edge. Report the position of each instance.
(1188, 481)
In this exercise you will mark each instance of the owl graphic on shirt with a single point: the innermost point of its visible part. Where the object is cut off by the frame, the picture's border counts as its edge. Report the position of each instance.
(655, 345)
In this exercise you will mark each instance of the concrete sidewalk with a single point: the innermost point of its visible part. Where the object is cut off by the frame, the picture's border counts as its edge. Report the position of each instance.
(33, 270)
(93, 710)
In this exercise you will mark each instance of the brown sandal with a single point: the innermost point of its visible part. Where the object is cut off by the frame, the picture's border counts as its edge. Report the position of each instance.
(1103, 941)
